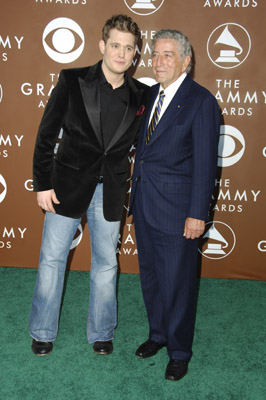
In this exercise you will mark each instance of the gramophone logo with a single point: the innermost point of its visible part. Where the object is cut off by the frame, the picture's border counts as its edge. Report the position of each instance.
(3, 188)
(78, 236)
(231, 146)
(228, 45)
(144, 7)
(218, 241)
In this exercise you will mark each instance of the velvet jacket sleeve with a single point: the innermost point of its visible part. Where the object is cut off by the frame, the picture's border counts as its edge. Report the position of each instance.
(48, 132)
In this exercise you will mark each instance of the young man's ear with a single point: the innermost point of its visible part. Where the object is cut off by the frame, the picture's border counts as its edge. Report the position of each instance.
(102, 46)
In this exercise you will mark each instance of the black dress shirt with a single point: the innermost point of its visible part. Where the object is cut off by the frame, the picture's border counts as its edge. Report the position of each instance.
(113, 104)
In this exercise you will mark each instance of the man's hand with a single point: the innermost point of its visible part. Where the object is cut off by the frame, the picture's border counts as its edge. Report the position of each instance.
(46, 199)
(193, 228)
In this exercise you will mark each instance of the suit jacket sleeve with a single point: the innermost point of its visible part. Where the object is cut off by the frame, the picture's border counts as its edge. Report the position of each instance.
(48, 132)
(205, 137)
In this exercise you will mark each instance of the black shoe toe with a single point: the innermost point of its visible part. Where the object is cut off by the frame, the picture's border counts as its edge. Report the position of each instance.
(103, 347)
(176, 369)
(148, 349)
(41, 348)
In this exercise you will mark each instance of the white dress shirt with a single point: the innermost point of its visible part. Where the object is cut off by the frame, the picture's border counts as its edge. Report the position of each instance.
(169, 92)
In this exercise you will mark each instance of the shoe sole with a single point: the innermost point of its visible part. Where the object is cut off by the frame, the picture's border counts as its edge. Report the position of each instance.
(103, 353)
(42, 355)
(151, 355)
(175, 379)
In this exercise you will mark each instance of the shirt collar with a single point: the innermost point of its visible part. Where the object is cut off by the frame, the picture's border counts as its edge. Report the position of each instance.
(103, 81)
(172, 89)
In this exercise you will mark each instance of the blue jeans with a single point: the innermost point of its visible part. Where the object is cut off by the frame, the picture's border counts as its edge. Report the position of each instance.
(58, 233)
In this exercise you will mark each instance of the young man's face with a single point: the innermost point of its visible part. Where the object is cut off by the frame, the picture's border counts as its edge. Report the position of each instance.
(118, 52)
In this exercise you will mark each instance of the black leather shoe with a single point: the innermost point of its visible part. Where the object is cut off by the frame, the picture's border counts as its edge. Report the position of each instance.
(103, 347)
(41, 348)
(148, 349)
(176, 369)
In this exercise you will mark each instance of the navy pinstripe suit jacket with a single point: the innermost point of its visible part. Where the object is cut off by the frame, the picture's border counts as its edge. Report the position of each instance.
(177, 167)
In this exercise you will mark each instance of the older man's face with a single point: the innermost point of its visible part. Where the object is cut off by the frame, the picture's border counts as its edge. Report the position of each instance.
(166, 63)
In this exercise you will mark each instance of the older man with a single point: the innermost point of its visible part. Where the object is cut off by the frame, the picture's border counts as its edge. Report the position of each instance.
(173, 180)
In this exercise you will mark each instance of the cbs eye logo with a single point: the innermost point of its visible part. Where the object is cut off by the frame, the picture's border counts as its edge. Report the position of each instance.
(231, 146)
(3, 188)
(63, 40)
(148, 81)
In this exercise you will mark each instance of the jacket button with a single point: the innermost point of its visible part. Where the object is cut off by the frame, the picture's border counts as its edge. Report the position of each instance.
(141, 162)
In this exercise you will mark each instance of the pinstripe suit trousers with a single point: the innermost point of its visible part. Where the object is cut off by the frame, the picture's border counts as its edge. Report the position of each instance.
(168, 273)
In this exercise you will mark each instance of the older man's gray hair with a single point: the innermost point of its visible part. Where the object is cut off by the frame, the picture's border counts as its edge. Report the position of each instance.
(183, 44)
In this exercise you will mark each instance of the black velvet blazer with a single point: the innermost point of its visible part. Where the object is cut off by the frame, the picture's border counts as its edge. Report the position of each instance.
(74, 106)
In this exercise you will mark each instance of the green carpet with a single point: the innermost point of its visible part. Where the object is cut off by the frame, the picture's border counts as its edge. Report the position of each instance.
(229, 360)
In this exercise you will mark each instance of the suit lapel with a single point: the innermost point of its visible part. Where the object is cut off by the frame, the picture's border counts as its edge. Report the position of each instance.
(91, 97)
(174, 109)
(145, 124)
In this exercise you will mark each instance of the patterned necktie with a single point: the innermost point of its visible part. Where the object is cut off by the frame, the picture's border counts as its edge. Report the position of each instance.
(155, 117)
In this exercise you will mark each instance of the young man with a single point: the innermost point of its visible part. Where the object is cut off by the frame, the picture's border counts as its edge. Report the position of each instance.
(98, 108)
(173, 180)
